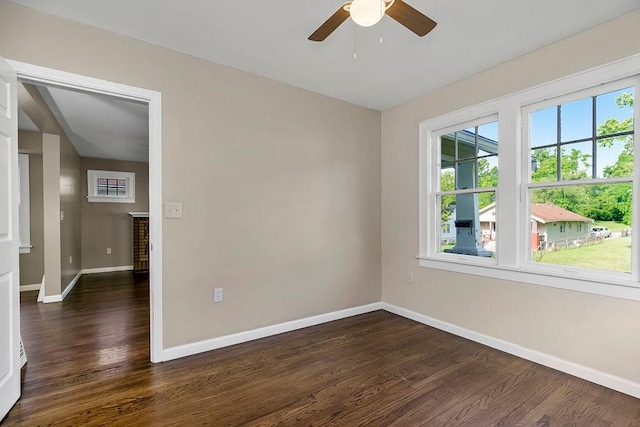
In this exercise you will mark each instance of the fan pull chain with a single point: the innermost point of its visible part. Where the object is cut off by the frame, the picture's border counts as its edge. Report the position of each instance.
(355, 42)
(382, 12)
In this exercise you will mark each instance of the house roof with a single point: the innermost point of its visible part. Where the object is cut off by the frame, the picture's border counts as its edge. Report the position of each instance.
(548, 212)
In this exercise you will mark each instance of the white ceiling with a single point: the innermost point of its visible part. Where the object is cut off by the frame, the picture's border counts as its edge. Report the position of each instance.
(269, 38)
(98, 125)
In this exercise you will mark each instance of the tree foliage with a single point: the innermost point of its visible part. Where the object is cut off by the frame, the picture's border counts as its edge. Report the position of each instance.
(611, 202)
(605, 202)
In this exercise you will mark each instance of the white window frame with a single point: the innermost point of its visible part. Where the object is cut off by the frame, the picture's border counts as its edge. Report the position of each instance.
(602, 275)
(92, 186)
(433, 245)
(24, 204)
(511, 261)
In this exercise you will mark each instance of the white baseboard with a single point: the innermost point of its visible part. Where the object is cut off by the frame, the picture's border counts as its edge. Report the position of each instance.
(107, 269)
(41, 293)
(607, 380)
(69, 288)
(71, 285)
(228, 340)
(52, 298)
(26, 288)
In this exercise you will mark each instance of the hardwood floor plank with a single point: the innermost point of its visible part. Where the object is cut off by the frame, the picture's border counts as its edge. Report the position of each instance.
(89, 365)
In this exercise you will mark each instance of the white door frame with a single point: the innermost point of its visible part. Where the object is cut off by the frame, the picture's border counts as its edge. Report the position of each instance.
(41, 75)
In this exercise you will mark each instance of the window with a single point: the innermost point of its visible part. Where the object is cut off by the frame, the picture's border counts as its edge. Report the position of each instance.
(582, 148)
(542, 168)
(467, 187)
(24, 209)
(112, 187)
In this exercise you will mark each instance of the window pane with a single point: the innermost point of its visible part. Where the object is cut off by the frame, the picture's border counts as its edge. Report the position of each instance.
(615, 157)
(469, 158)
(468, 224)
(466, 144)
(447, 178)
(488, 172)
(582, 226)
(576, 161)
(544, 165)
(614, 112)
(576, 120)
(544, 127)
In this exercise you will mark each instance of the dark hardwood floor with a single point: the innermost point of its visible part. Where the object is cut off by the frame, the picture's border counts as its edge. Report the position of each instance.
(88, 365)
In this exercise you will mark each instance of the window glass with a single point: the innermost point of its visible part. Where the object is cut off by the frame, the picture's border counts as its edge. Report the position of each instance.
(585, 226)
(576, 120)
(469, 161)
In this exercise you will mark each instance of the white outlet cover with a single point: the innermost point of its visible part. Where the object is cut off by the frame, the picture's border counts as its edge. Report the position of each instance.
(173, 209)
(217, 295)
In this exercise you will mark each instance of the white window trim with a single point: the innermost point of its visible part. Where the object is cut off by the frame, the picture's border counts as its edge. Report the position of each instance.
(24, 204)
(92, 186)
(510, 264)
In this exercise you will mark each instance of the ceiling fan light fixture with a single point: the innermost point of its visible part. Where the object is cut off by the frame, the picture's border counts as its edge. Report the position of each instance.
(367, 12)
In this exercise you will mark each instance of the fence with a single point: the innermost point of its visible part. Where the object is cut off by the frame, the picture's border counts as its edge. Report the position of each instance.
(573, 242)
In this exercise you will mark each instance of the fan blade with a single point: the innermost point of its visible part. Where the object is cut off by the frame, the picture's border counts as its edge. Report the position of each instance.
(411, 18)
(330, 25)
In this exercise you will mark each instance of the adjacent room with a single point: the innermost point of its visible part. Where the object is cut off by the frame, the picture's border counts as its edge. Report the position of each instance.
(319, 213)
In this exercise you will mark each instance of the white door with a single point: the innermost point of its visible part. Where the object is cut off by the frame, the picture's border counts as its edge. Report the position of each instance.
(9, 281)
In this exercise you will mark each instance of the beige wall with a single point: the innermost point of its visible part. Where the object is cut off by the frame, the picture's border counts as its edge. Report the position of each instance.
(280, 186)
(51, 213)
(66, 175)
(32, 264)
(70, 250)
(594, 331)
(109, 225)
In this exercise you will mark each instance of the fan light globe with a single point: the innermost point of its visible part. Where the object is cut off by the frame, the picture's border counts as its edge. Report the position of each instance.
(367, 12)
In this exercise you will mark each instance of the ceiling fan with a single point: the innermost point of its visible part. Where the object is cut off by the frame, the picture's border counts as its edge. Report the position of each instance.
(369, 12)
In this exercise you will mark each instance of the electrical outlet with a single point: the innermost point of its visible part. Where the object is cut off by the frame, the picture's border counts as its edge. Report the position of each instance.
(173, 209)
(108, 251)
(61, 215)
(409, 277)
(70, 259)
(217, 295)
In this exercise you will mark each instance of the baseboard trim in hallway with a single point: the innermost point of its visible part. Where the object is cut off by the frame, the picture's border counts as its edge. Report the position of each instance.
(107, 269)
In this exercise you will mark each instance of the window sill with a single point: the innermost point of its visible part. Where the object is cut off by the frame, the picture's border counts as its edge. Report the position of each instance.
(110, 200)
(624, 289)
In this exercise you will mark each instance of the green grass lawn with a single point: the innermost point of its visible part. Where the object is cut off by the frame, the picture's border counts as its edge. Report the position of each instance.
(612, 254)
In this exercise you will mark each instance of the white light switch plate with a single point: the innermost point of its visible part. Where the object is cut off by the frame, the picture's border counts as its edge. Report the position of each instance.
(173, 209)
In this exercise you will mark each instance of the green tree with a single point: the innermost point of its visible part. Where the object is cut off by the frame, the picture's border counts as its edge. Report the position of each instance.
(487, 178)
(614, 202)
(610, 202)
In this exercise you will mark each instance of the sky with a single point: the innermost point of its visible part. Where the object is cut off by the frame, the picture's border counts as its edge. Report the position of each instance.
(576, 123)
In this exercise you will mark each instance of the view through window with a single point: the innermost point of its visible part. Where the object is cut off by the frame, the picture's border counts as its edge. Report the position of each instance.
(467, 193)
(581, 182)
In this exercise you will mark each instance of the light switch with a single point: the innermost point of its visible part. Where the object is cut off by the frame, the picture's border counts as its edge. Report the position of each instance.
(173, 209)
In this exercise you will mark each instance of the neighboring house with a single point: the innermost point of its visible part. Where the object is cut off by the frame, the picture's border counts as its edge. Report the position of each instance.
(448, 232)
(549, 223)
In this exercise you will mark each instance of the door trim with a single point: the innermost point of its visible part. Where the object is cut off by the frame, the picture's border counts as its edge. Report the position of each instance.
(41, 75)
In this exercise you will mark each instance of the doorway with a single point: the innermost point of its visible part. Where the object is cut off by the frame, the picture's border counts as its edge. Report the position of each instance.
(48, 77)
